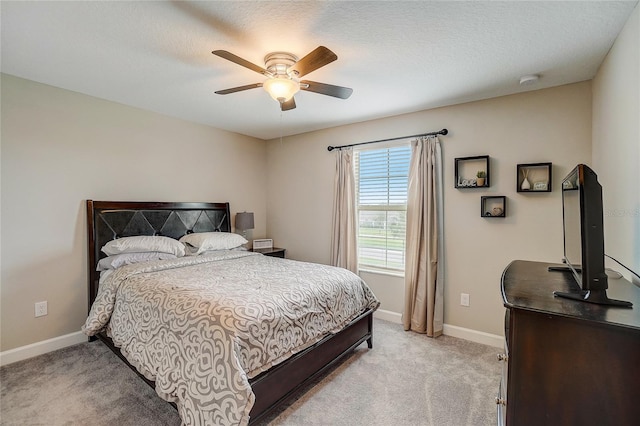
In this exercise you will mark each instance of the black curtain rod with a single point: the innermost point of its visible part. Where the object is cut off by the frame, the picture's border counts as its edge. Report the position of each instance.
(441, 132)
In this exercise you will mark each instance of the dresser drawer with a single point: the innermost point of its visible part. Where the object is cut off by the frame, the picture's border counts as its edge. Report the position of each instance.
(501, 399)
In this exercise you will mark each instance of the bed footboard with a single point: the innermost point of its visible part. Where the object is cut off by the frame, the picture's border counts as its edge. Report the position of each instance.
(275, 386)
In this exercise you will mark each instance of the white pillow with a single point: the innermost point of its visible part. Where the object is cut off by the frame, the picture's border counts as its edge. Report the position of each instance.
(144, 243)
(204, 241)
(118, 260)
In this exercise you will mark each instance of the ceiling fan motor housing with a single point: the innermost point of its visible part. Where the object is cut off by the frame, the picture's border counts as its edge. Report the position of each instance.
(278, 63)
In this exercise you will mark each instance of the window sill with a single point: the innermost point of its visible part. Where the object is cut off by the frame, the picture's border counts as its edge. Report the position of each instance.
(398, 274)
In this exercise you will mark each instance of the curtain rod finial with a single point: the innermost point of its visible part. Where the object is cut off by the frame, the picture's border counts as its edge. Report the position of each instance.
(330, 148)
(444, 132)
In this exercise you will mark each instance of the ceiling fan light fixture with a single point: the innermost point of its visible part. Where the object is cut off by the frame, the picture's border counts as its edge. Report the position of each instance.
(281, 89)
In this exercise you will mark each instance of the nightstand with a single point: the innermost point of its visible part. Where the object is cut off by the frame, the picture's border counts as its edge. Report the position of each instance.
(272, 251)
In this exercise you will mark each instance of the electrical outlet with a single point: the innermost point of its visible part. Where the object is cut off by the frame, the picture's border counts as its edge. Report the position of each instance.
(464, 299)
(41, 309)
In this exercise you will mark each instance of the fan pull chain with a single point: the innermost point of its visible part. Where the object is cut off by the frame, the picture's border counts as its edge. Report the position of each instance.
(280, 128)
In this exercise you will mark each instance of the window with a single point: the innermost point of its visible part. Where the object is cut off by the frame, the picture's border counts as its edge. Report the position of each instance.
(381, 185)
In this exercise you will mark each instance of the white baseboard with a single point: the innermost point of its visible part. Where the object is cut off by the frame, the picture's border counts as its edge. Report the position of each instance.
(450, 330)
(39, 348)
(388, 316)
(474, 335)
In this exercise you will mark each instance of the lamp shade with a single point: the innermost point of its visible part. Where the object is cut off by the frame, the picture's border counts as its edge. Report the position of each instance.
(244, 221)
(281, 89)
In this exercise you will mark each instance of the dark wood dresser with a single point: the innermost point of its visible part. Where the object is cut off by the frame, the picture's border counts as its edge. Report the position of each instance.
(567, 362)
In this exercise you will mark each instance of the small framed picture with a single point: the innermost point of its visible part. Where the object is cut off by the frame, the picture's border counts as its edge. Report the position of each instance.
(263, 244)
(540, 186)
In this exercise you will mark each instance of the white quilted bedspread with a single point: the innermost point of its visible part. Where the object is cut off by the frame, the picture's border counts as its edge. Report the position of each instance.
(201, 327)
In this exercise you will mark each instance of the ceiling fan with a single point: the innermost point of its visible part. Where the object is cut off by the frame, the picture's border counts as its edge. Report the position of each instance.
(284, 71)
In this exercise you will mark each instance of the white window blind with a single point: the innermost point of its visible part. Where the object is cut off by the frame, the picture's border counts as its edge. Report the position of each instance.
(381, 185)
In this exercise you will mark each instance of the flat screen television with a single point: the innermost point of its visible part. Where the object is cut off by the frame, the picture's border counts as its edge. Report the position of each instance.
(583, 232)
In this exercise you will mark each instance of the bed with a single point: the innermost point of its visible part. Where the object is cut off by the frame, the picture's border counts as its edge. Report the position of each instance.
(235, 371)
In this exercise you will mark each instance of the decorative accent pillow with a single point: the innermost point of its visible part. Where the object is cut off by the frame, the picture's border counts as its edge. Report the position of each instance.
(144, 243)
(204, 241)
(118, 260)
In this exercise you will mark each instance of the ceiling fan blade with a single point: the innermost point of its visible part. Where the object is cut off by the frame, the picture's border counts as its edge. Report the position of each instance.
(326, 89)
(287, 105)
(319, 57)
(243, 62)
(238, 89)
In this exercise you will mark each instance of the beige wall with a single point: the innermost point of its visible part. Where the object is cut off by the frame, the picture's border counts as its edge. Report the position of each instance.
(60, 148)
(616, 144)
(552, 125)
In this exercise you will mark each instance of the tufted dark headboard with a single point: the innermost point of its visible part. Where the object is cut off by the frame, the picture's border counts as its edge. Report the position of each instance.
(107, 220)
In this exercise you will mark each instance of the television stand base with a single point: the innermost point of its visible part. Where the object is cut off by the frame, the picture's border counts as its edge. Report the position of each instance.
(594, 296)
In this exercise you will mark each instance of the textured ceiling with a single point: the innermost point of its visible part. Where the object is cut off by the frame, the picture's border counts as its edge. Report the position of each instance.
(398, 56)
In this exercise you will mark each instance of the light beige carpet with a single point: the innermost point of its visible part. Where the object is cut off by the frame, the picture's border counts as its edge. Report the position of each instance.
(406, 379)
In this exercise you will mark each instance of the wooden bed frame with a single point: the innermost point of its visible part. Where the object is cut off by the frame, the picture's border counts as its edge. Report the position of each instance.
(107, 220)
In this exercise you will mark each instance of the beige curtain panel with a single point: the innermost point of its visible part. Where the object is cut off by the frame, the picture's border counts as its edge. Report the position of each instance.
(424, 304)
(344, 250)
